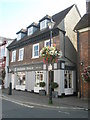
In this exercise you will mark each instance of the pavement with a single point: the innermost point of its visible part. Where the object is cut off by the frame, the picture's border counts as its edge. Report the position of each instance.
(29, 99)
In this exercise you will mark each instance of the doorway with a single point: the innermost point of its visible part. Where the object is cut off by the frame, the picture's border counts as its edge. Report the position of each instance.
(68, 82)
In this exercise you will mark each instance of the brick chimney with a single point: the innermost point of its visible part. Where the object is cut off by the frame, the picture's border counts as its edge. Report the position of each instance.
(87, 6)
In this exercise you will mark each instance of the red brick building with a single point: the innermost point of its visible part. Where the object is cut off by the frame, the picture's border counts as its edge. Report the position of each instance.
(83, 36)
(25, 59)
(4, 42)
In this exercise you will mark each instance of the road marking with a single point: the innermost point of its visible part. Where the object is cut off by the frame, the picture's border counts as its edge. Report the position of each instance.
(19, 103)
(64, 112)
(27, 104)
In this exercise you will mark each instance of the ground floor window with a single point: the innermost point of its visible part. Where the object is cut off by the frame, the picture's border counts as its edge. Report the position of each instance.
(67, 79)
(39, 77)
(21, 78)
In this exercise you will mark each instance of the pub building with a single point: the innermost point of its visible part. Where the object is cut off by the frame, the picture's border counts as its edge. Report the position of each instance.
(24, 54)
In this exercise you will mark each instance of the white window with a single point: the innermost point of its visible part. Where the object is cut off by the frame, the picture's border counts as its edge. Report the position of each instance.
(47, 43)
(43, 24)
(13, 56)
(36, 50)
(30, 31)
(39, 77)
(2, 51)
(21, 78)
(21, 54)
(67, 79)
(19, 36)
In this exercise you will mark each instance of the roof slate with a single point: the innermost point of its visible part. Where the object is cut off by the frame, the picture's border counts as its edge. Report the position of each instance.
(84, 22)
(57, 18)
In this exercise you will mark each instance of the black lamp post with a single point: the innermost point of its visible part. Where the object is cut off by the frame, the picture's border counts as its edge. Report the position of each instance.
(50, 25)
(10, 84)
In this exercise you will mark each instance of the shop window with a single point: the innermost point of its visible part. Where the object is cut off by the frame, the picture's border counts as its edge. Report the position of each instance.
(21, 78)
(67, 79)
(39, 77)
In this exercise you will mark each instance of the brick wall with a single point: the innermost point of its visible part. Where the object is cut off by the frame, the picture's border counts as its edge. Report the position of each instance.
(28, 53)
(85, 57)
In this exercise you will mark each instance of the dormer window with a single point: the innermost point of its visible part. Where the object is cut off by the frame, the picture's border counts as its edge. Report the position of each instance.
(19, 36)
(30, 30)
(44, 22)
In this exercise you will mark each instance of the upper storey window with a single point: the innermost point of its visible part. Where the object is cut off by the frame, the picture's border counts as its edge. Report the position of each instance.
(35, 53)
(19, 36)
(44, 22)
(30, 30)
(21, 54)
(13, 56)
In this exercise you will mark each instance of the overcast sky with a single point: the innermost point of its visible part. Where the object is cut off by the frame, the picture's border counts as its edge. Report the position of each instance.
(17, 14)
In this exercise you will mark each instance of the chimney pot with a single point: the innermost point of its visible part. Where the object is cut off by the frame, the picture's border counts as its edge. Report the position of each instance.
(87, 6)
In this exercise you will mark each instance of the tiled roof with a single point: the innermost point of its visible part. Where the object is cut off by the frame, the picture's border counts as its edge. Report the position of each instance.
(84, 22)
(22, 31)
(46, 17)
(33, 24)
(61, 15)
(57, 18)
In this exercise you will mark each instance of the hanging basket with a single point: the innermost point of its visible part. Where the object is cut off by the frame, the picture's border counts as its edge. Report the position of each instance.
(86, 74)
(50, 55)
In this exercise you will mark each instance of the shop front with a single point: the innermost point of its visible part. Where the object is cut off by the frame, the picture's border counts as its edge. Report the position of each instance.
(29, 77)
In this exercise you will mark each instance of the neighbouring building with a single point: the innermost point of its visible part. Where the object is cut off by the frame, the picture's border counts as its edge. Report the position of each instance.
(83, 37)
(26, 64)
(4, 60)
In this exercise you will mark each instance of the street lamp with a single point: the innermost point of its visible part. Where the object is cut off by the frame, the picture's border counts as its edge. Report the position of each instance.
(50, 25)
(10, 84)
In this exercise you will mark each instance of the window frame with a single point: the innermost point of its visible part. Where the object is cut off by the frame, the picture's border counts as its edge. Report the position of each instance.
(13, 56)
(21, 58)
(33, 51)
(68, 79)
(18, 36)
(2, 51)
(37, 78)
(43, 24)
(46, 42)
(30, 30)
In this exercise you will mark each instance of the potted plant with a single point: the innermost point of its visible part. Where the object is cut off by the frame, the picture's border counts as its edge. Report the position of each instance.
(86, 74)
(54, 85)
(42, 84)
(42, 91)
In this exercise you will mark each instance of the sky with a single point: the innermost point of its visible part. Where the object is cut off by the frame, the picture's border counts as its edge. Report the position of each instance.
(18, 14)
